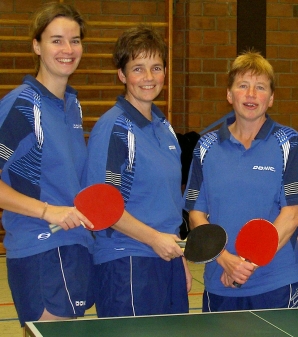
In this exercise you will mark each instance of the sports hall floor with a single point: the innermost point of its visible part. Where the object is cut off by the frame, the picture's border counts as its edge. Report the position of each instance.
(9, 325)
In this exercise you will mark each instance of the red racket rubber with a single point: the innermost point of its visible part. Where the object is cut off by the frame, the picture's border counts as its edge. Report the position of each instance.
(102, 204)
(257, 242)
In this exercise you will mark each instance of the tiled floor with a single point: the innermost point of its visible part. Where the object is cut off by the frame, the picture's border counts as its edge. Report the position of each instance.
(9, 324)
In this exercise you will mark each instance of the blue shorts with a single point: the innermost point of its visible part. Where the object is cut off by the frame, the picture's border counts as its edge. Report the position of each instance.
(134, 286)
(57, 280)
(284, 297)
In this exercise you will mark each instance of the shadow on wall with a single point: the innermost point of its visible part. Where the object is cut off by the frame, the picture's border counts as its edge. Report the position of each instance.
(187, 143)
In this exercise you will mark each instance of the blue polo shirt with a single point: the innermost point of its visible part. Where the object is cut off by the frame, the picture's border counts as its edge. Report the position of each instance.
(142, 159)
(233, 185)
(42, 155)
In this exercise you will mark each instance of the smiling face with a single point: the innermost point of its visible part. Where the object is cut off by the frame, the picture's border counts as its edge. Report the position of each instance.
(60, 49)
(144, 79)
(250, 95)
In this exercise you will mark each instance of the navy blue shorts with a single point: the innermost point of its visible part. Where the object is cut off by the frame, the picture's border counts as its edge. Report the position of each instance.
(284, 297)
(57, 280)
(134, 286)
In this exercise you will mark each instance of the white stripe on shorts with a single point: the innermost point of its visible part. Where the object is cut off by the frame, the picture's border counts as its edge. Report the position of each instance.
(65, 283)
(131, 287)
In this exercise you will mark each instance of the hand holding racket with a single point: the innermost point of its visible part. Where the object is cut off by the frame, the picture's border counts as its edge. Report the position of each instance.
(257, 243)
(204, 243)
(102, 204)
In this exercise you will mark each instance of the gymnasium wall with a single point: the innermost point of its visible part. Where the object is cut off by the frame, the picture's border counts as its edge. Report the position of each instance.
(205, 39)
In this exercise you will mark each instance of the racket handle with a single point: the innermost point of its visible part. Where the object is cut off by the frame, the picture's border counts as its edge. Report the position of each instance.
(55, 228)
(181, 244)
(236, 284)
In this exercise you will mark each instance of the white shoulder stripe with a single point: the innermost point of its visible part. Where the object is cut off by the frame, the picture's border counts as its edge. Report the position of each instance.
(5, 152)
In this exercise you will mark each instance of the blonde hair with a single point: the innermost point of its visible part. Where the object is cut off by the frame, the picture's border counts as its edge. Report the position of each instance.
(251, 61)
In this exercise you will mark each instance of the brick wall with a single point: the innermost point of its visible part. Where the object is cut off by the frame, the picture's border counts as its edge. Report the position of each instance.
(93, 11)
(204, 46)
(204, 43)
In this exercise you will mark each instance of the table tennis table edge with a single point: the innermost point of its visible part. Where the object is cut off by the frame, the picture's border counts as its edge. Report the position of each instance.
(30, 330)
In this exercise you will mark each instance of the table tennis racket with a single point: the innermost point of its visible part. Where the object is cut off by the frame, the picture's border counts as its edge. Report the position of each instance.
(204, 243)
(102, 204)
(257, 242)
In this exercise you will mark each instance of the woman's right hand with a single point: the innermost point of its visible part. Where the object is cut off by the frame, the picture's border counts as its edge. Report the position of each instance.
(235, 269)
(165, 246)
(65, 217)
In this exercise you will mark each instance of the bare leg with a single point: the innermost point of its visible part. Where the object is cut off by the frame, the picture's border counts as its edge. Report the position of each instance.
(46, 316)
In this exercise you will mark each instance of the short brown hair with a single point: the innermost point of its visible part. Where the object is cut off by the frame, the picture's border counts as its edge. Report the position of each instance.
(137, 40)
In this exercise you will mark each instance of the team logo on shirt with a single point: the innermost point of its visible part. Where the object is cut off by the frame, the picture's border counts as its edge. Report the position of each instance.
(77, 126)
(264, 168)
(80, 303)
(44, 236)
(172, 147)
